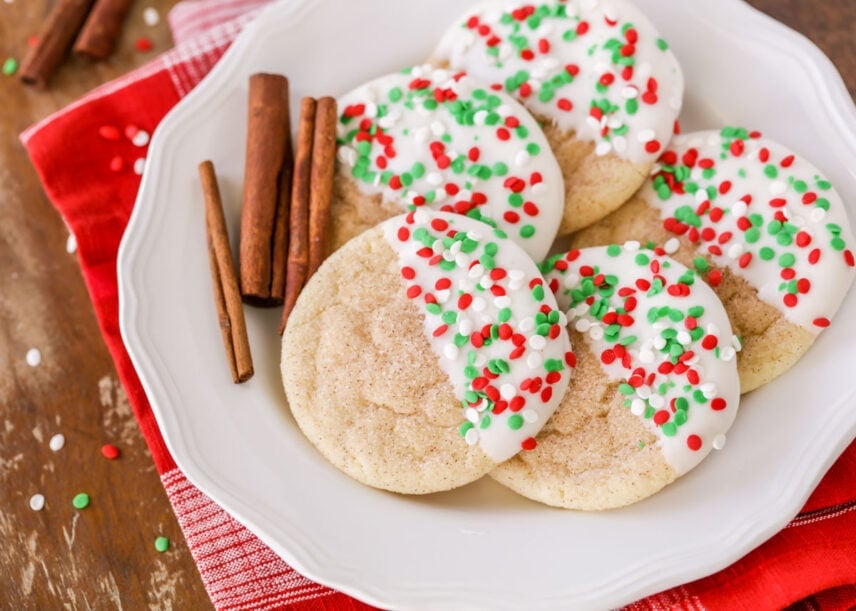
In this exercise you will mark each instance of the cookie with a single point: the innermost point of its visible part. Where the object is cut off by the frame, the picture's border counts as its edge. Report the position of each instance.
(764, 227)
(655, 387)
(424, 352)
(433, 138)
(597, 75)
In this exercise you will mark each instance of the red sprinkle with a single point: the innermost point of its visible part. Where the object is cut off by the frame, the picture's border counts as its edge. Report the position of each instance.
(143, 44)
(529, 443)
(109, 451)
(694, 442)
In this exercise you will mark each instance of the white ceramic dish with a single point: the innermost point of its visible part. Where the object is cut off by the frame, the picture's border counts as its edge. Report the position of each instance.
(480, 546)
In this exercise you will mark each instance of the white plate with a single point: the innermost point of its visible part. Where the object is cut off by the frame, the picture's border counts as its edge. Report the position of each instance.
(480, 546)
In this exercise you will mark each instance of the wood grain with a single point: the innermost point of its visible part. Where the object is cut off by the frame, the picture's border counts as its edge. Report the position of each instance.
(105, 557)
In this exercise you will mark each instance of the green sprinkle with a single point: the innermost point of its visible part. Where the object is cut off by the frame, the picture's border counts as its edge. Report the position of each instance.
(538, 292)
(837, 243)
(515, 421)
(626, 389)
(433, 308)
(766, 253)
(696, 311)
(669, 429)
(533, 149)
(700, 263)
(770, 171)
(787, 260)
(10, 66)
(613, 250)
(642, 259)
(395, 94)
(81, 501)
(466, 426)
(161, 544)
(662, 44)
(752, 235)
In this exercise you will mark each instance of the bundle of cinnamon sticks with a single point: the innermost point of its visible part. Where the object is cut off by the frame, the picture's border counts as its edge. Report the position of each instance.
(285, 211)
(93, 26)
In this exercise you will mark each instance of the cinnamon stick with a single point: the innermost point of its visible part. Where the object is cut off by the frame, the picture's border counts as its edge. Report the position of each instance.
(97, 39)
(267, 139)
(54, 40)
(226, 293)
(298, 246)
(323, 163)
(280, 227)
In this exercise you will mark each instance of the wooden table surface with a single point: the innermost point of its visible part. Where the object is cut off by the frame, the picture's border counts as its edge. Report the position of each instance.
(104, 557)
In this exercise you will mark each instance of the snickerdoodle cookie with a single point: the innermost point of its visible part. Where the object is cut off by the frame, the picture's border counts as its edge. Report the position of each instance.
(655, 387)
(761, 224)
(424, 352)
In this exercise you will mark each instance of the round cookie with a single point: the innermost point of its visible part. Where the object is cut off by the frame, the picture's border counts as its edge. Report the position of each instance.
(598, 77)
(766, 229)
(433, 138)
(655, 387)
(424, 352)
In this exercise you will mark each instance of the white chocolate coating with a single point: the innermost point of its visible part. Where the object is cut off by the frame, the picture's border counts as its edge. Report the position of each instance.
(597, 68)
(475, 152)
(494, 326)
(662, 332)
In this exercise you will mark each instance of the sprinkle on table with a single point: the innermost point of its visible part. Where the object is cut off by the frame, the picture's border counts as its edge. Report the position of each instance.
(34, 357)
(10, 66)
(80, 501)
(109, 451)
(151, 17)
(57, 442)
(161, 544)
(37, 502)
(143, 44)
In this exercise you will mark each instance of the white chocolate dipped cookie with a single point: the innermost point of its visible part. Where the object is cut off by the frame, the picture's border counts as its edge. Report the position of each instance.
(424, 352)
(655, 387)
(438, 139)
(598, 76)
(764, 227)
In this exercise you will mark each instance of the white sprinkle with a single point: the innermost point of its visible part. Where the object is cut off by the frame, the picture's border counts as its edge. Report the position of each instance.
(516, 274)
(451, 351)
(420, 217)
(529, 415)
(596, 332)
(736, 343)
(434, 178)
(71, 244)
(485, 282)
(342, 153)
(503, 301)
(619, 143)
(34, 357)
(538, 188)
(777, 187)
(479, 304)
(684, 338)
(420, 134)
(141, 138)
(521, 159)
(140, 165)
(632, 245)
(644, 392)
(439, 74)
(629, 92)
(657, 401)
(582, 325)
(719, 442)
(465, 326)
(472, 415)
(659, 342)
(443, 295)
(151, 17)
(727, 353)
(571, 280)
(438, 128)
(389, 120)
(675, 103)
(471, 437)
(671, 246)
(646, 135)
(507, 391)
(57, 442)
(603, 147)
(37, 502)
(646, 356)
(735, 250)
(537, 342)
(527, 324)
(637, 407)
(480, 361)
(534, 360)
(480, 117)
(700, 196)
(708, 389)
(739, 208)
(817, 215)
(503, 110)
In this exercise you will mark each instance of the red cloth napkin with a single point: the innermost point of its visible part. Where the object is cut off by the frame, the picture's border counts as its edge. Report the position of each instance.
(91, 181)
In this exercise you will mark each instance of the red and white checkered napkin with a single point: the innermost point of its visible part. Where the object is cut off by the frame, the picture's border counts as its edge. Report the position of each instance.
(812, 560)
